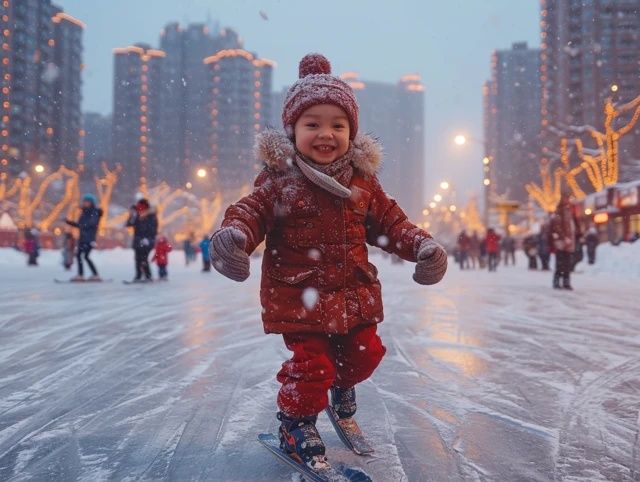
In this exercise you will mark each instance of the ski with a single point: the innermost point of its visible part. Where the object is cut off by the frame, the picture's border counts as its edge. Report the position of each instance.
(343, 474)
(349, 432)
(85, 281)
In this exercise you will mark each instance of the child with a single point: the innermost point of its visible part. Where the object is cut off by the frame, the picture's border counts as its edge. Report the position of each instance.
(204, 249)
(88, 225)
(31, 247)
(317, 201)
(161, 257)
(68, 247)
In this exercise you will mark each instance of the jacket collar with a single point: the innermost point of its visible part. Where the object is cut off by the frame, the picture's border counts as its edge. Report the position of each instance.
(277, 151)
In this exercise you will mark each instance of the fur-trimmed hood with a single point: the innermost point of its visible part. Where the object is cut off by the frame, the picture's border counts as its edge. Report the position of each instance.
(277, 151)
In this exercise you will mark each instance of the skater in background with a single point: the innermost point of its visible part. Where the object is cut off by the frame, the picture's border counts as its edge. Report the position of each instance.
(87, 224)
(492, 247)
(530, 248)
(161, 257)
(591, 240)
(544, 249)
(68, 248)
(563, 230)
(474, 250)
(144, 222)
(319, 290)
(464, 244)
(204, 250)
(31, 246)
(189, 250)
(508, 246)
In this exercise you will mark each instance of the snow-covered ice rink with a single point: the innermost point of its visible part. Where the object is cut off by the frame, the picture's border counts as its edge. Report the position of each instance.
(488, 376)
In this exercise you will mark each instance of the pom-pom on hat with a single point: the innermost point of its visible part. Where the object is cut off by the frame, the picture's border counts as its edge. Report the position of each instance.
(316, 86)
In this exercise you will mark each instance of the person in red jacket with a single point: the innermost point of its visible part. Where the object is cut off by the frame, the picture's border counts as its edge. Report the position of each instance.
(492, 242)
(161, 257)
(317, 201)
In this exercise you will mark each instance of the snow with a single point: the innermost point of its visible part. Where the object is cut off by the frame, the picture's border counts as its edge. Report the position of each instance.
(487, 376)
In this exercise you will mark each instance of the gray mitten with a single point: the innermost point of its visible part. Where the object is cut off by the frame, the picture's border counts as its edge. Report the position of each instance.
(432, 263)
(227, 253)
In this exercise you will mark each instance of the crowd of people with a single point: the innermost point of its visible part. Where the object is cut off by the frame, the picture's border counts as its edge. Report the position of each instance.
(561, 235)
(80, 238)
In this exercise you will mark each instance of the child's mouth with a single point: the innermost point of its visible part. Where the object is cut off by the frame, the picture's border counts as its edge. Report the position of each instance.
(324, 149)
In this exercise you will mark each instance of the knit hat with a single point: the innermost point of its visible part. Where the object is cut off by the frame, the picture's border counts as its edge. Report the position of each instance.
(90, 197)
(316, 86)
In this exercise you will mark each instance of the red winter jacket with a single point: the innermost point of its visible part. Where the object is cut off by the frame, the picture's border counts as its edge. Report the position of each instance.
(162, 249)
(492, 242)
(316, 276)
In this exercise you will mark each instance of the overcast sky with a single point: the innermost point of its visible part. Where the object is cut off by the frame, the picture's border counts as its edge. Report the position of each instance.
(448, 42)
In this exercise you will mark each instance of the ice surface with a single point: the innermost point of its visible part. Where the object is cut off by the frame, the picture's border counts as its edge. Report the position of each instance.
(488, 376)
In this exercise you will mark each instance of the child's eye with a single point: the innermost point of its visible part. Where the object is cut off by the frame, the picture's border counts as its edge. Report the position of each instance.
(312, 124)
(339, 126)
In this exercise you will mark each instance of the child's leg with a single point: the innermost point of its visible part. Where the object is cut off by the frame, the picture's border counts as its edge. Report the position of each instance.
(307, 376)
(357, 355)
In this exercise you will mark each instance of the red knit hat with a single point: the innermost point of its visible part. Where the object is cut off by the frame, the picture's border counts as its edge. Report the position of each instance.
(316, 86)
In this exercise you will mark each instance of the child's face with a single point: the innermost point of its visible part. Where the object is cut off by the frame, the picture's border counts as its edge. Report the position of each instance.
(322, 133)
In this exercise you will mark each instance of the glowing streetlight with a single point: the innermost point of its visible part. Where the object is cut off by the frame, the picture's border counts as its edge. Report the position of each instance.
(202, 173)
(460, 140)
(39, 168)
(485, 160)
(614, 88)
(437, 198)
(188, 185)
(444, 185)
(432, 205)
(453, 208)
(588, 212)
(425, 212)
(486, 182)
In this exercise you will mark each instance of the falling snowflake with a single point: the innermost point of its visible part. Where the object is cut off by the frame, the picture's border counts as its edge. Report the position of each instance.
(383, 241)
(314, 254)
(310, 298)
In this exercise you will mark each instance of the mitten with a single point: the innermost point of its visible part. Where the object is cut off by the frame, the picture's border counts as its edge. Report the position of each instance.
(432, 263)
(228, 255)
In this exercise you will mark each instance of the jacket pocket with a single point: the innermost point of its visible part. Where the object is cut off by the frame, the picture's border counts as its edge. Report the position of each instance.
(291, 276)
(367, 272)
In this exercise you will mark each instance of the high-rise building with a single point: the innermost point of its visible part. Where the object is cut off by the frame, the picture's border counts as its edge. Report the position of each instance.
(187, 98)
(512, 120)
(26, 66)
(590, 51)
(240, 107)
(137, 114)
(66, 76)
(395, 114)
(97, 143)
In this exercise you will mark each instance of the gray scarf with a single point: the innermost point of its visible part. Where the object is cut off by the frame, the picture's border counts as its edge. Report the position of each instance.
(334, 178)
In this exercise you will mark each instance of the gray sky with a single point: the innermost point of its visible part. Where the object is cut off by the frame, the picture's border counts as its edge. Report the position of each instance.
(448, 42)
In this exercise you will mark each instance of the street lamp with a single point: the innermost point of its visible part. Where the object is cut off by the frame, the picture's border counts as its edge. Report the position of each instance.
(437, 198)
(188, 185)
(444, 185)
(39, 168)
(461, 140)
(202, 173)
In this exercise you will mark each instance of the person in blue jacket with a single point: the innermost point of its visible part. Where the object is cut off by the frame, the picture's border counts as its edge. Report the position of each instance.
(204, 249)
(87, 223)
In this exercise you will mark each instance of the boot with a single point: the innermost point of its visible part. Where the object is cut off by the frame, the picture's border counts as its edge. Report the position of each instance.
(566, 284)
(343, 401)
(300, 439)
(556, 281)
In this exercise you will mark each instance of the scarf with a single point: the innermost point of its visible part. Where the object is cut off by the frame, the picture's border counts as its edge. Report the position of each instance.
(334, 178)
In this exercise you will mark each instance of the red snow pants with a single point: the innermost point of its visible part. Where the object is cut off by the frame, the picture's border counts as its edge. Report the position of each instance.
(320, 361)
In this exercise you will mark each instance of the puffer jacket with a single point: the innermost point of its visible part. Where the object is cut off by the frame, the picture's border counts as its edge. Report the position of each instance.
(87, 224)
(316, 275)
